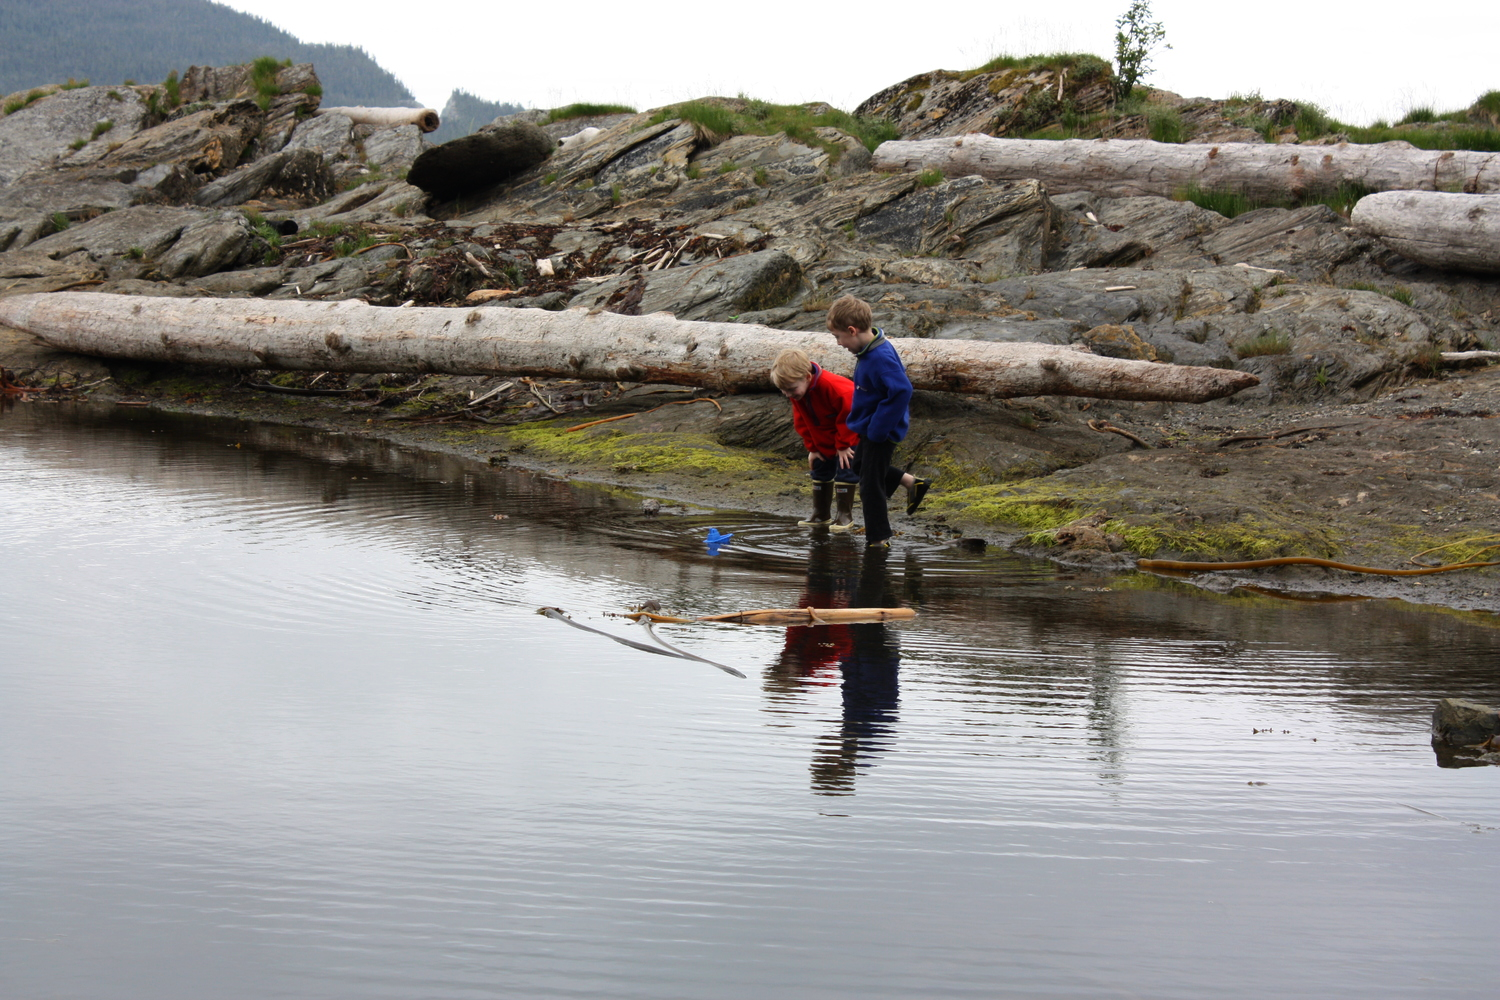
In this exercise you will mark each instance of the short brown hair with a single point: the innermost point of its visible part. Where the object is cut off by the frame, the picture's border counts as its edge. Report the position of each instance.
(850, 311)
(790, 366)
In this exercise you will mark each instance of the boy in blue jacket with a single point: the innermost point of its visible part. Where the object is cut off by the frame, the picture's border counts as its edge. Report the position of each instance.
(879, 415)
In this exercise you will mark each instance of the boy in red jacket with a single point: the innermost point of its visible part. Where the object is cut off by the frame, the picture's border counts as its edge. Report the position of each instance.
(820, 405)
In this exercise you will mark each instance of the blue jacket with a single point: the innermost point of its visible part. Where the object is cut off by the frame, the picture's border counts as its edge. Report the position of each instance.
(882, 393)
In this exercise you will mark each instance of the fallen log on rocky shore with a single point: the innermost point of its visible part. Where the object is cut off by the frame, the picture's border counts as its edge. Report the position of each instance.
(351, 336)
(1120, 168)
(1436, 228)
(425, 119)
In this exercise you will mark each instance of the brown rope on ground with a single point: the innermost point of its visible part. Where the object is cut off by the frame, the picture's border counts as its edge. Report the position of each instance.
(1207, 567)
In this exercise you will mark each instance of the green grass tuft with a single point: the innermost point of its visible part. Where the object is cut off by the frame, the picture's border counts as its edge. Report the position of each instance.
(100, 128)
(173, 88)
(930, 178)
(1165, 124)
(758, 117)
(1230, 203)
(1082, 67)
(1269, 342)
(582, 110)
(1417, 115)
(73, 84)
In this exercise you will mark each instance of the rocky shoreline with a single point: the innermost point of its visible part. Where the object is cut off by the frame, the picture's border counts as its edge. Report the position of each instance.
(1357, 446)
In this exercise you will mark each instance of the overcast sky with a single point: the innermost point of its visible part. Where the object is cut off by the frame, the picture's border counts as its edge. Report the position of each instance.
(1361, 62)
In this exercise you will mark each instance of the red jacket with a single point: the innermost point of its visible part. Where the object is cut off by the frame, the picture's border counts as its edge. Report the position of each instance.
(820, 414)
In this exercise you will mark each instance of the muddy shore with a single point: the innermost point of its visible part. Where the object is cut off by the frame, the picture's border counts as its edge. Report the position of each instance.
(1405, 479)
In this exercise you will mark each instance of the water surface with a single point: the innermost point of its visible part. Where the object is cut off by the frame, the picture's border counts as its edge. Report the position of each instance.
(278, 719)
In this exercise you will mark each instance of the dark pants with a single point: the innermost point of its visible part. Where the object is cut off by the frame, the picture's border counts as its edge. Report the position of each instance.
(826, 470)
(877, 481)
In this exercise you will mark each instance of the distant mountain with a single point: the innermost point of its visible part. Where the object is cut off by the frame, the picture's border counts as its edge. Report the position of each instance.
(464, 113)
(111, 41)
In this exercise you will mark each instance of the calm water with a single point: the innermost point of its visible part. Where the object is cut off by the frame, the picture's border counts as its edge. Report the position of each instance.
(278, 720)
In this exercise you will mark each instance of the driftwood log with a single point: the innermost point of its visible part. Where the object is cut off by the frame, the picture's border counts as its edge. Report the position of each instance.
(351, 336)
(425, 119)
(1441, 230)
(1124, 167)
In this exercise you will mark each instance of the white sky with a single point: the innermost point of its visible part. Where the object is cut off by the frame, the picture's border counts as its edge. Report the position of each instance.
(1361, 62)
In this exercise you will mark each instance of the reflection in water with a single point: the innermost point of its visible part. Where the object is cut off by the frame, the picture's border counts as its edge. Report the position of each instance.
(276, 712)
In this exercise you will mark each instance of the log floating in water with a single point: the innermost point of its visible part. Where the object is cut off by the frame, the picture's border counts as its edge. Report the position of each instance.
(425, 119)
(1124, 167)
(1436, 228)
(787, 616)
(350, 336)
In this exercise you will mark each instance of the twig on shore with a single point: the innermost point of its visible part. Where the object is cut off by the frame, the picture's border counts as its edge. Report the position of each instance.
(622, 416)
(1105, 427)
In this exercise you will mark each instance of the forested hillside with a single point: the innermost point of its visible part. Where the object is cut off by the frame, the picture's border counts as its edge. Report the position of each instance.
(464, 113)
(110, 41)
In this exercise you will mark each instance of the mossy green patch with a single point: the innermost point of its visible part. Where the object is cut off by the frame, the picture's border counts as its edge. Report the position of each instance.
(687, 454)
(1038, 507)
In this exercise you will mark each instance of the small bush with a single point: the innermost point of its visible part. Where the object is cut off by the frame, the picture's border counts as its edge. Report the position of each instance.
(728, 167)
(1269, 342)
(1311, 121)
(1489, 106)
(761, 177)
(693, 172)
(1400, 293)
(11, 107)
(1418, 115)
(135, 253)
(114, 95)
(100, 128)
(60, 221)
(930, 178)
(34, 96)
(588, 111)
(313, 90)
(1165, 124)
(78, 143)
(616, 193)
(73, 84)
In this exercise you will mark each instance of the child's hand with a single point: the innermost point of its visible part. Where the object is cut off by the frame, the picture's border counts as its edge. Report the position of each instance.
(846, 456)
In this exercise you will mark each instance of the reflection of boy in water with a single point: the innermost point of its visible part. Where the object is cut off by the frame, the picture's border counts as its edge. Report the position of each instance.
(871, 689)
(820, 403)
(815, 650)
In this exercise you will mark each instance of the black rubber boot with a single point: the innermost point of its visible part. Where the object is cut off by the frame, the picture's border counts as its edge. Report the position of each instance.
(822, 502)
(916, 494)
(844, 519)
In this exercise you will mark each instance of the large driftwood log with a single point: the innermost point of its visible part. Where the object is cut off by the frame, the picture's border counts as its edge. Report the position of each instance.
(1447, 231)
(1123, 167)
(425, 119)
(351, 336)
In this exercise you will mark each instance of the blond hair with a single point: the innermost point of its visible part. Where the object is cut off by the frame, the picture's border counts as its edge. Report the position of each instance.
(850, 311)
(790, 367)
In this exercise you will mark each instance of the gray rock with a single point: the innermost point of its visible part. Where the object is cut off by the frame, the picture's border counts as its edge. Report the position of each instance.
(395, 148)
(717, 291)
(151, 229)
(480, 161)
(1464, 723)
(208, 143)
(208, 245)
(1003, 225)
(43, 131)
(331, 135)
(177, 241)
(297, 173)
(18, 227)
